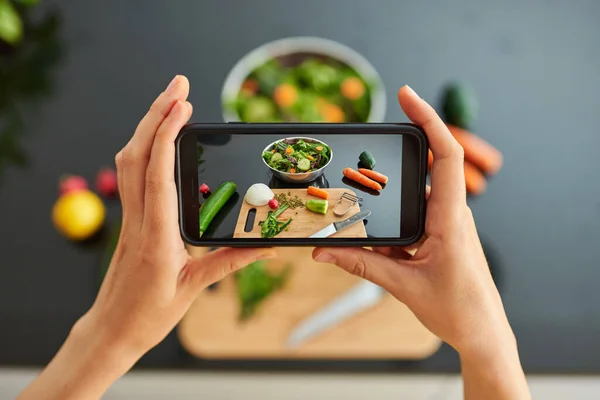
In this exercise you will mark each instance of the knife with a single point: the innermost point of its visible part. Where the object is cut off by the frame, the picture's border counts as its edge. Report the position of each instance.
(359, 298)
(338, 226)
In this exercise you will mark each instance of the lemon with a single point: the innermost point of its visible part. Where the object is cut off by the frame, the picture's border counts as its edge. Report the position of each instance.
(78, 215)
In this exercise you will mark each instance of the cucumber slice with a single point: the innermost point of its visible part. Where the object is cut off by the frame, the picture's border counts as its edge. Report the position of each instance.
(318, 206)
(276, 157)
(303, 164)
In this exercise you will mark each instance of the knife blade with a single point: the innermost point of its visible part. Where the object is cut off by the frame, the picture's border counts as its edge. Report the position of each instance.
(361, 297)
(338, 226)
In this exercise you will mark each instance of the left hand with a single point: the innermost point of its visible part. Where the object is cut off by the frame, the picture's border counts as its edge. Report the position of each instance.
(152, 280)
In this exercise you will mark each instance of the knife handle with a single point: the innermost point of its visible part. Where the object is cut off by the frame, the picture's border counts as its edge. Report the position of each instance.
(359, 216)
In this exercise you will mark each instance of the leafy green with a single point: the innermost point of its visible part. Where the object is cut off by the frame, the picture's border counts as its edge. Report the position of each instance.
(259, 109)
(270, 227)
(254, 284)
(322, 77)
(11, 25)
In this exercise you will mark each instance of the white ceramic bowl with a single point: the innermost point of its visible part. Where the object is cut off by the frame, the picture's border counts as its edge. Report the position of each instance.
(304, 45)
(298, 177)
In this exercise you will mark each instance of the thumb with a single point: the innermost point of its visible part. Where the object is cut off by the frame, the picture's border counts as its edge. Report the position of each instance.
(216, 265)
(367, 264)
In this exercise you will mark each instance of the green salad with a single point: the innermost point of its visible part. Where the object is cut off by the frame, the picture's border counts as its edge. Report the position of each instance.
(297, 155)
(317, 89)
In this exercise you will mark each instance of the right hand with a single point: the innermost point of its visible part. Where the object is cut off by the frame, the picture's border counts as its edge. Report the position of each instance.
(446, 283)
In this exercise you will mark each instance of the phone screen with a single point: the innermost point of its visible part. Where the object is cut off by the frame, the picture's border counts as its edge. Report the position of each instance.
(289, 186)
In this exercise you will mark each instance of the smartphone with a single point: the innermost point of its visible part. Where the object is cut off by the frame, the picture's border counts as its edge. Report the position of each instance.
(256, 185)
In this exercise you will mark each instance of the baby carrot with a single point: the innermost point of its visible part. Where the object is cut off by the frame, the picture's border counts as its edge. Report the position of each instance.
(315, 191)
(376, 176)
(352, 88)
(474, 179)
(429, 159)
(360, 178)
(477, 151)
(285, 95)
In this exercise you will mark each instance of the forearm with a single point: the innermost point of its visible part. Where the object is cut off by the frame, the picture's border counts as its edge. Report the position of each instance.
(494, 374)
(84, 368)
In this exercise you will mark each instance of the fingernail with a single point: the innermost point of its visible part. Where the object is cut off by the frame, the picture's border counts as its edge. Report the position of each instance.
(173, 83)
(411, 91)
(325, 258)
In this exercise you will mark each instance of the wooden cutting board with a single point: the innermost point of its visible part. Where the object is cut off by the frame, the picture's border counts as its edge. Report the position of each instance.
(389, 330)
(304, 222)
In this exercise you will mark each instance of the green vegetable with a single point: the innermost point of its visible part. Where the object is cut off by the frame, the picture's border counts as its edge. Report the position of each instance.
(268, 76)
(258, 109)
(276, 157)
(303, 164)
(460, 106)
(318, 206)
(215, 202)
(271, 227)
(306, 108)
(11, 25)
(321, 76)
(367, 160)
(254, 284)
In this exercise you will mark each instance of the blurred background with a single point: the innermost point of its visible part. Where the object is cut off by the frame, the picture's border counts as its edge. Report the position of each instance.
(76, 77)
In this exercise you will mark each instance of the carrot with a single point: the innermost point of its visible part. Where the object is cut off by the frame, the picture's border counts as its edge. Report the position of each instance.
(315, 191)
(292, 170)
(360, 178)
(332, 113)
(273, 151)
(285, 95)
(474, 179)
(352, 88)
(376, 176)
(311, 158)
(477, 151)
(319, 148)
(289, 150)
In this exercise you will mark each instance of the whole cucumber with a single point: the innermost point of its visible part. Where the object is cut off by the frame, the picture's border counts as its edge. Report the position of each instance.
(215, 202)
(367, 160)
(460, 106)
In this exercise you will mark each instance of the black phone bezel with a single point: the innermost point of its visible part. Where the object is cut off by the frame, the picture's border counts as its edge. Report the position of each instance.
(414, 157)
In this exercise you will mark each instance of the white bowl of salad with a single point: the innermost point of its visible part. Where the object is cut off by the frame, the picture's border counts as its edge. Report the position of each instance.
(303, 79)
(297, 159)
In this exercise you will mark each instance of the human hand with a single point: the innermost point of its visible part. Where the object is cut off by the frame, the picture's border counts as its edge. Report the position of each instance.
(447, 282)
(152, 280)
